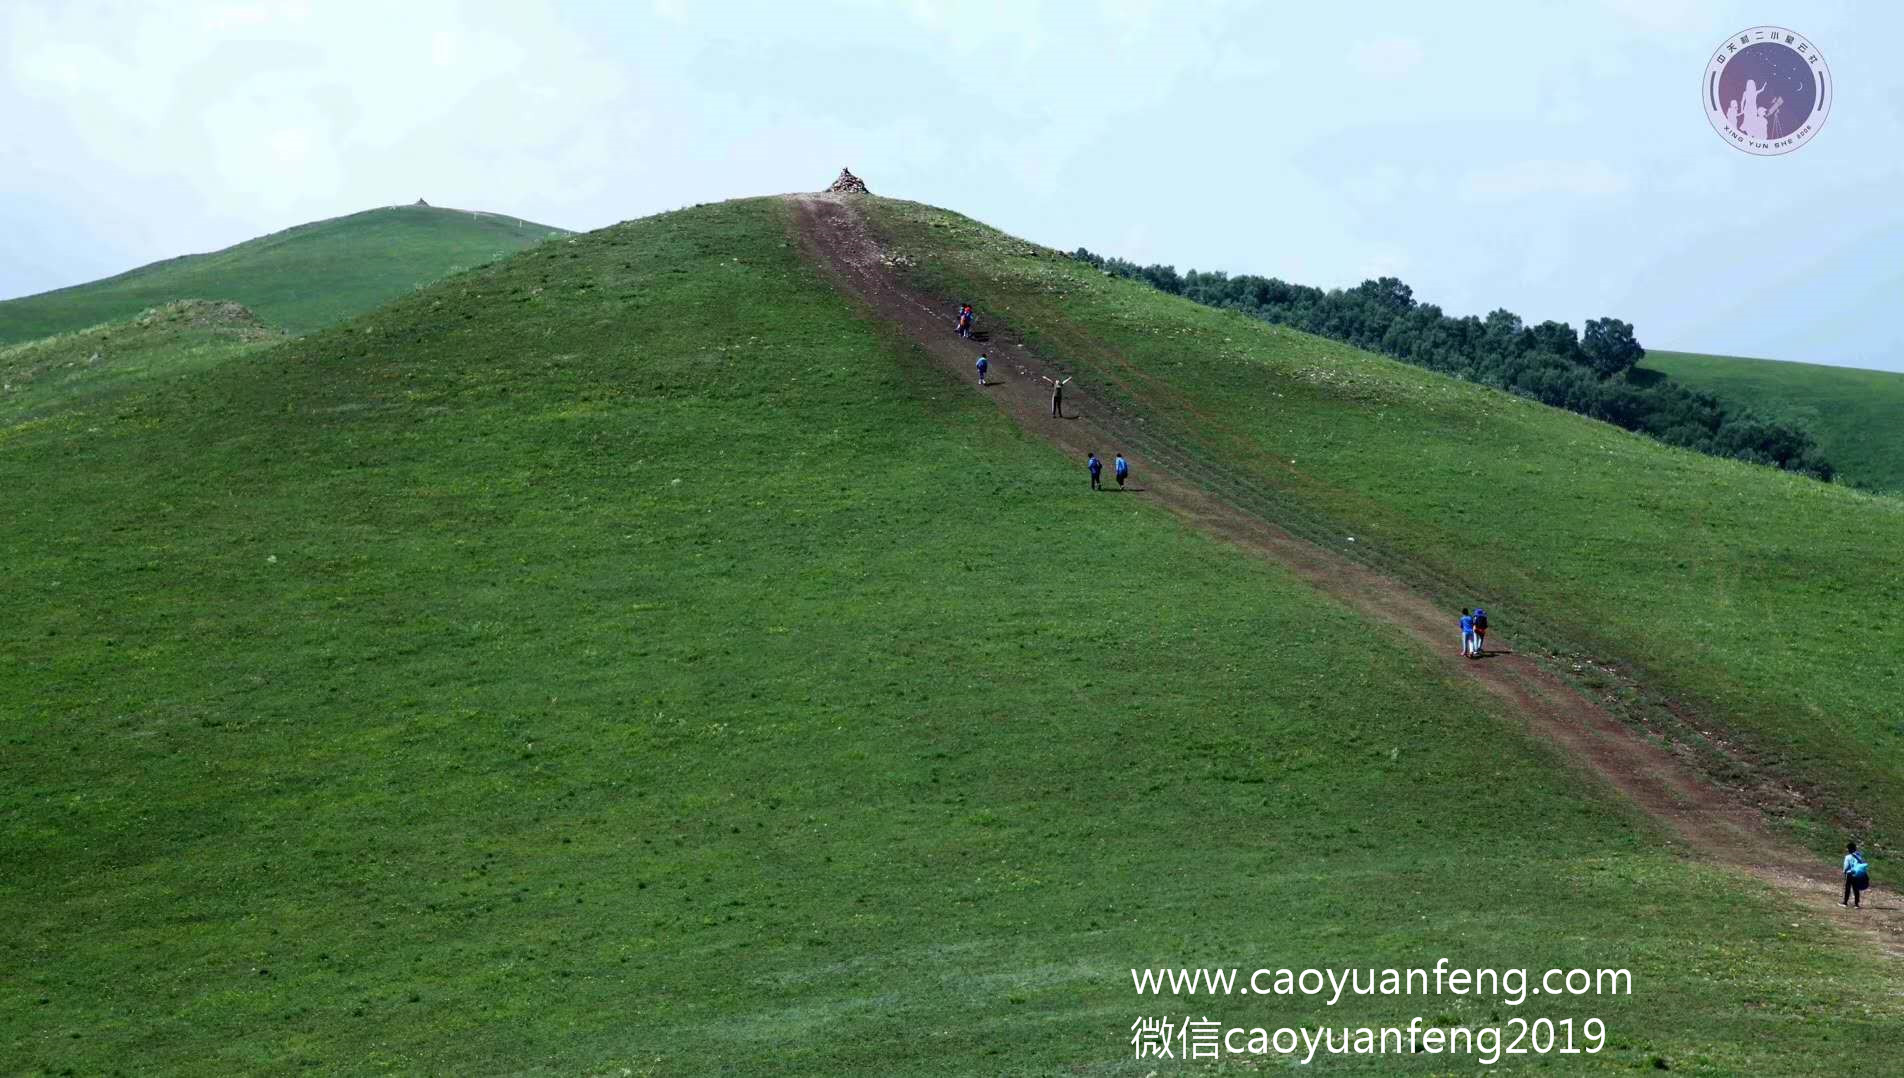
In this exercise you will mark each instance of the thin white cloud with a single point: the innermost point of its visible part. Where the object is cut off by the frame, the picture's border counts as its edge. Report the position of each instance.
(1379, 185)
(1664, 15)
(1530, 179)
(1386, 58)
(219, 17)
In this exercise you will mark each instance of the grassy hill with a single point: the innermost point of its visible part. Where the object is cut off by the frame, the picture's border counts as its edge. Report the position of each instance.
(299, 279)
(41, 378)
(1757, 605)
(1854, 413)
(629, 658)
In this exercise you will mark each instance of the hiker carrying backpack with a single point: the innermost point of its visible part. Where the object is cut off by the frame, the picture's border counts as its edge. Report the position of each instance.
(1857, 873)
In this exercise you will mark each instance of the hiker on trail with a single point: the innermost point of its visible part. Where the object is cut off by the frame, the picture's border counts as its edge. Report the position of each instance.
(1467, 634)
(1057, 396)
(965, 320)
(1094, 466)
(1121, 469)
(982, 365)
(1857, 876)
(1480, 631)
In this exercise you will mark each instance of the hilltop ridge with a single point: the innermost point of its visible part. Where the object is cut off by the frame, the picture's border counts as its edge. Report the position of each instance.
(298, 278)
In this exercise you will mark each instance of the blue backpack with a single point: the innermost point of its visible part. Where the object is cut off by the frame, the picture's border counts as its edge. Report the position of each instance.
(1861, 872)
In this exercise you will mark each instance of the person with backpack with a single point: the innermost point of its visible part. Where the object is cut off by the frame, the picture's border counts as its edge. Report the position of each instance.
(1467, 634)
(965, 320)
(1480, 631)
(982, 365)
(1121, 469)
(1857, 873)
(1094, 466)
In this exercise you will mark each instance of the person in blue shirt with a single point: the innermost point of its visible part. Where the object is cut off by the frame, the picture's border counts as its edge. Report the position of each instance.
(1857, 877)
(1095, 466)
(982, 364)
(1467, 634)
(1121, 469)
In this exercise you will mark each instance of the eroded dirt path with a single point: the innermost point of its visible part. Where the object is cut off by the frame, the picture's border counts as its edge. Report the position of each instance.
(1712, 823)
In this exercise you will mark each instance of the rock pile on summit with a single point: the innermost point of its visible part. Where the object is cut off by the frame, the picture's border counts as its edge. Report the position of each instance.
(849, 182)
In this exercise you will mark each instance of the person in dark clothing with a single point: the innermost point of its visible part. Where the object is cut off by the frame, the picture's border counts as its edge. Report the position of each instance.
(1094, 466)
(1480, 631)
(1857, 876)
(1057, 397)
(1121, 469)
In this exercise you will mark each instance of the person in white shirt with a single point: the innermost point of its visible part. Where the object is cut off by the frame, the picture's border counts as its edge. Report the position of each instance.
(1057, 396)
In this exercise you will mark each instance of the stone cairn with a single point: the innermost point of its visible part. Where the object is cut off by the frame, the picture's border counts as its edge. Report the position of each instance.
(849, 183)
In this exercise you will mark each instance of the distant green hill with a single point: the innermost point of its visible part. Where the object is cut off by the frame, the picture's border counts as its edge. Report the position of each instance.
(40, 378)
(1853, 413)
(299, 279)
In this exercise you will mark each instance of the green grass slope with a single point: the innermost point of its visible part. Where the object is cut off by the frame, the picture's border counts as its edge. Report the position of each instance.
(299, 279)
(1855, 414)
(625, 658)
(85, 369)
(1762, 603)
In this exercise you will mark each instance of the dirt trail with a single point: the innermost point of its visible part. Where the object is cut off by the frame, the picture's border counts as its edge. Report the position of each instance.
(1713, 823)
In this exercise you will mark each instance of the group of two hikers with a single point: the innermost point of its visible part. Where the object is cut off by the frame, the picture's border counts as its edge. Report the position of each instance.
(1473, 632)
(1120, 468)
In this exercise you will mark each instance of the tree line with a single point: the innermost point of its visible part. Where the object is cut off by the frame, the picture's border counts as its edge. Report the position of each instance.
(1591, 372)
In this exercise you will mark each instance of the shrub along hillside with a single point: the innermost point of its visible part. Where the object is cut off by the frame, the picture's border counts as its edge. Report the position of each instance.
(1590, 373)
(298, 279)
(1762, 601)
(626, 657)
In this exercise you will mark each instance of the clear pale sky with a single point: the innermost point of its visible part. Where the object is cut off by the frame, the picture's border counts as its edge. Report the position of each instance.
(1551, 159)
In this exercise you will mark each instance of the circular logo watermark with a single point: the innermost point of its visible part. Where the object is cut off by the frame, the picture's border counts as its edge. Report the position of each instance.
(1767, 90)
